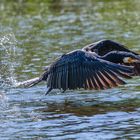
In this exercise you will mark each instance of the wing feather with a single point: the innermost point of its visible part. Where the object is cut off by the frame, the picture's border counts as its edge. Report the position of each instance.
(111, 79)
(102, 47)
(81, 69)
(104, 79)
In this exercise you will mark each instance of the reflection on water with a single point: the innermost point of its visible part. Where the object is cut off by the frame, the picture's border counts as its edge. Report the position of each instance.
(32, 35)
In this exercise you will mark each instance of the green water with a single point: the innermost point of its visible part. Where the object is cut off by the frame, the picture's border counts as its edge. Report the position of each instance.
(33, 34)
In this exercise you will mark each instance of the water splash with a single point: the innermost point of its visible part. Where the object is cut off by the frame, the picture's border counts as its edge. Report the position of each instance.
(8, 60)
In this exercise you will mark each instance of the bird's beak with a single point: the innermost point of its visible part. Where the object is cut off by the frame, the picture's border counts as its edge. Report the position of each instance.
(130, 60)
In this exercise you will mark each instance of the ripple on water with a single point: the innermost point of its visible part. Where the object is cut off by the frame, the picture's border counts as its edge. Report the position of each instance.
(45, 31)
(73, 115)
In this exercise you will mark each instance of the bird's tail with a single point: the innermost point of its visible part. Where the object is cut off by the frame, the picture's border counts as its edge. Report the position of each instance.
(30, 83)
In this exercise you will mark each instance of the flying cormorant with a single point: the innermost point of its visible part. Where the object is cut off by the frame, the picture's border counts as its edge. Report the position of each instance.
(100, 65)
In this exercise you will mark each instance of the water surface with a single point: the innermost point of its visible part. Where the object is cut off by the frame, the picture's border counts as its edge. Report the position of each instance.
(32, 35)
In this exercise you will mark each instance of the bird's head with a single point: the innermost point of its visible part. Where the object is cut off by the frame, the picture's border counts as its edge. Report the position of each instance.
(121, 57)
(130, 59)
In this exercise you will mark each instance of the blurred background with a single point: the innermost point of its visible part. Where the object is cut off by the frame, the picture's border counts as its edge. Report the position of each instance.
(33, 33)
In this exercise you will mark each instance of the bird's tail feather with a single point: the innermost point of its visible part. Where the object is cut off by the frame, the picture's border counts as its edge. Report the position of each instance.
(30, 83)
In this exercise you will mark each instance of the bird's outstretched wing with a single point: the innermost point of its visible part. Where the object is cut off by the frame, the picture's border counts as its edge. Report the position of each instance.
(80, 69)
(104, 46)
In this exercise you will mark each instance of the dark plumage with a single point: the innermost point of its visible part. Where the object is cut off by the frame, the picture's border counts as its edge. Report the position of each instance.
(115, 52)
(97, 66)
(103, 47)
(81, 69)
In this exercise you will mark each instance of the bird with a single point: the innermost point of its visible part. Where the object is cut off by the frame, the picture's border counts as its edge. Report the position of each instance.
(97, 66)
(111, 49)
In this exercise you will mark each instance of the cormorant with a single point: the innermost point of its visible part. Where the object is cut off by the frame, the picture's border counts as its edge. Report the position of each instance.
(97, 66)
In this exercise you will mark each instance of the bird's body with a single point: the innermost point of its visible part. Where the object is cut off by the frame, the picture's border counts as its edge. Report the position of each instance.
(88, 69)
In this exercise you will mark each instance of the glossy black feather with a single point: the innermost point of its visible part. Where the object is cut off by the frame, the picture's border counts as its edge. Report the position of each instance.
(114, 52)
(88, 70)
(80, 69)
(104, 46)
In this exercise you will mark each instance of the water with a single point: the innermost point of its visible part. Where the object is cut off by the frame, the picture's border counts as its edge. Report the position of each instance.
(32, 35)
